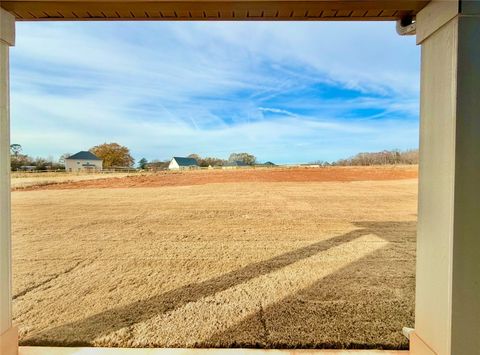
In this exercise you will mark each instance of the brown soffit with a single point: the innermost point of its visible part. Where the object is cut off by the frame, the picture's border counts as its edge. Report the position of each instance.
(241, 10)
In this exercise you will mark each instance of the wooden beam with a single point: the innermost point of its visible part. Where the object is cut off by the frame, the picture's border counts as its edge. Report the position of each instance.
(298, 10)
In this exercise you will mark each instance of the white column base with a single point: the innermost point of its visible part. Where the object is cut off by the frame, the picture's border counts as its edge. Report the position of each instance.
(419, 347)
(9, 342)
(417, 344)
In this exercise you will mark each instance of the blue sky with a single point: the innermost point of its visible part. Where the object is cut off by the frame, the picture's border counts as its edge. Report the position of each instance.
(287, 92)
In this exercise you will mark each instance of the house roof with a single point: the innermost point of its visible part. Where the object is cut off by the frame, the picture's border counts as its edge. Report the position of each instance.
(83, 155)
(293, 10)
(181, 161)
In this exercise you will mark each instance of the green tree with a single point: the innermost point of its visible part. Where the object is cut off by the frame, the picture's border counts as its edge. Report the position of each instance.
(113, 155)
(142, 163)
(15, 149)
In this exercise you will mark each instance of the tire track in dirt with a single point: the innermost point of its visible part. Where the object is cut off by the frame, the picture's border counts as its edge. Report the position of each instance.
(263, 321)
(78, 265)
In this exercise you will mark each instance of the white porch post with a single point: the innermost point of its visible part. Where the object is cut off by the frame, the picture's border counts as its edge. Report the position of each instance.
(8, 334)
(447, 319)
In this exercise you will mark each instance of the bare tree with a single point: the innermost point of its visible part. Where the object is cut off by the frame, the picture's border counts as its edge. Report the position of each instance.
(247, 158)
(386, 157)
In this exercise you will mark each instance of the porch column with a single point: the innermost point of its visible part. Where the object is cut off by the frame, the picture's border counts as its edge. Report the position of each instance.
(447, 315)
(8, 334)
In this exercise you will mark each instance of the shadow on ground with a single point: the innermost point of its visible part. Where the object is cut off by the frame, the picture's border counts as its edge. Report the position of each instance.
(363, 305)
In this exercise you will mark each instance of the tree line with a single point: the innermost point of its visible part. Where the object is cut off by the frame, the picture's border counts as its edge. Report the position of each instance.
(113, 155)
(19, 161)
(245, 158)
(385, 157)
(204, 162)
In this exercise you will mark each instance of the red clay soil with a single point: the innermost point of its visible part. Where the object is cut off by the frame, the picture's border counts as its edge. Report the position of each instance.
(201, 177)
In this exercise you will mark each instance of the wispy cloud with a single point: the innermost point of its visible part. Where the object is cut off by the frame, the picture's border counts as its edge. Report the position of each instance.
(287, 92)
(277, 110)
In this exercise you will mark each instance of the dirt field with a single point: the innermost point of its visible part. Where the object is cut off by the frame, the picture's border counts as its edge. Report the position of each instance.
(286, 263)
(200, 177)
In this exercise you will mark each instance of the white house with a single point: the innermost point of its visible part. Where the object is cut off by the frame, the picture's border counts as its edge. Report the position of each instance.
(83, 161)
(180, 163)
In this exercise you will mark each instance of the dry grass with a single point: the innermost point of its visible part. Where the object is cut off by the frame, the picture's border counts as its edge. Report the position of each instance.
(22, 180)
(321, 264)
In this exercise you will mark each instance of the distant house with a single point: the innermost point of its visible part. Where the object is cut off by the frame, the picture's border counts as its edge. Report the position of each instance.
(180, 163)
(83, 161)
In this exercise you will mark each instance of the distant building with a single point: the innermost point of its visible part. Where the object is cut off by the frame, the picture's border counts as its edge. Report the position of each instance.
(83, 161)
(180, 163)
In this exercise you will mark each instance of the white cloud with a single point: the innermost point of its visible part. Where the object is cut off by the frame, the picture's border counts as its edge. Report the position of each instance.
(213, 88)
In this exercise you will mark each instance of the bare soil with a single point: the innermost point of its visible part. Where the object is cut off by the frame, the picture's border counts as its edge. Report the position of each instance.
(201, 177)
(289, 264)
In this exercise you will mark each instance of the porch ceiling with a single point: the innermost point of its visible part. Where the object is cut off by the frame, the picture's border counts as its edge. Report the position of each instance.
(292, 10)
